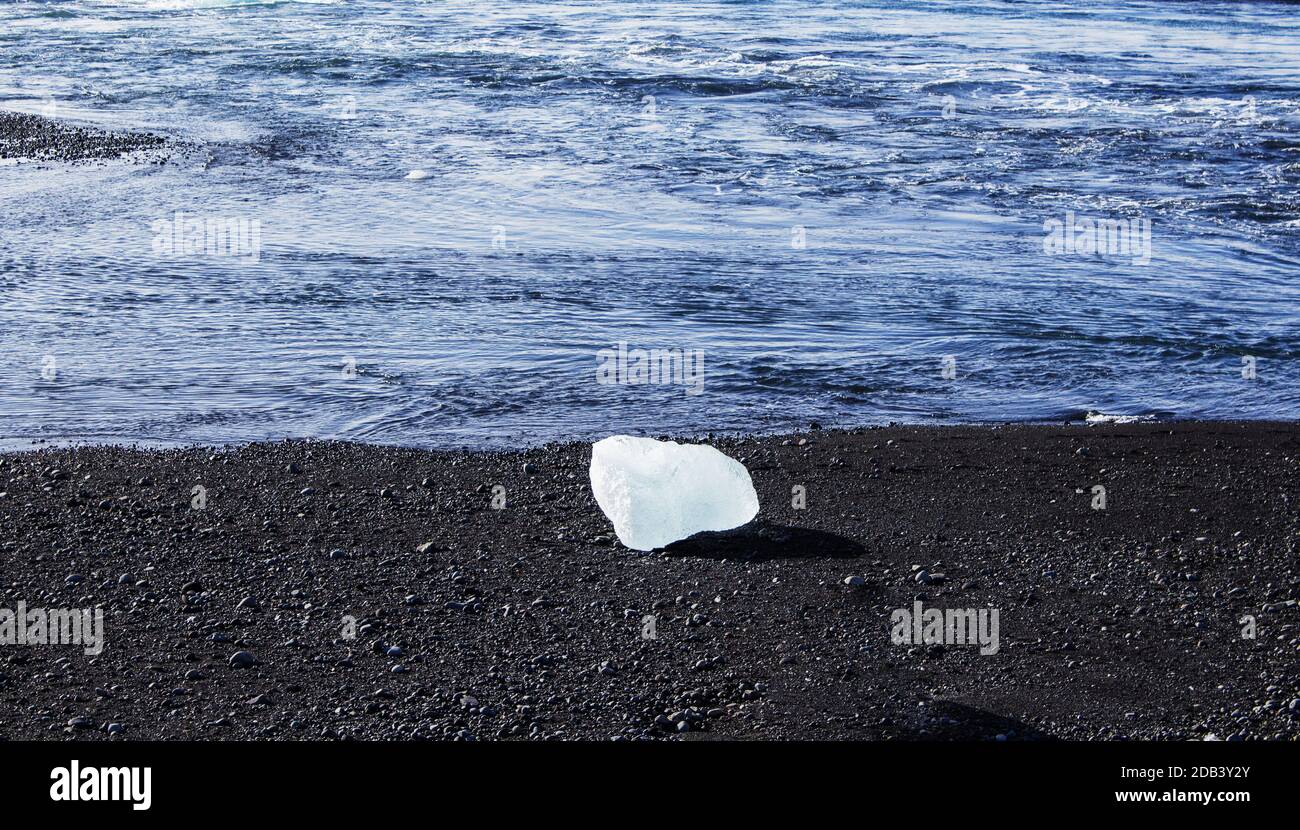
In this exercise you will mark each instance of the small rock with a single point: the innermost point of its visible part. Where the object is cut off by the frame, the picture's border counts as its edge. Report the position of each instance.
(854, 581)
(242, 660)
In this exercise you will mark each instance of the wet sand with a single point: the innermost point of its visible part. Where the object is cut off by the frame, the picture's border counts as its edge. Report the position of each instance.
(36, 138)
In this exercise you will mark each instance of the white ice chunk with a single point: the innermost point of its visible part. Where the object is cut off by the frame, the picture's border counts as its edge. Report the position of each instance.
(656, 492)
(1093, 417)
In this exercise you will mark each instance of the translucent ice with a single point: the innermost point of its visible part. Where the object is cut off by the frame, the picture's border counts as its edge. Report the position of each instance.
(656, 492)
(1094, 417)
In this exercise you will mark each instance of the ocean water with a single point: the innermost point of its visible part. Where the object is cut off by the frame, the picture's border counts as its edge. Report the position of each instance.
(841, 212)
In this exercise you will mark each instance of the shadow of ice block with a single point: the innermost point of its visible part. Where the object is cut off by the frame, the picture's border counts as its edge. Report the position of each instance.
(657, 492)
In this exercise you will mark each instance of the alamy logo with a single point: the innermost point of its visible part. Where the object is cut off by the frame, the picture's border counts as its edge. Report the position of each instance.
(1087, 236)
(77, 783)
(624, 367)
(53, 627)
(949, 626)
(185, 235)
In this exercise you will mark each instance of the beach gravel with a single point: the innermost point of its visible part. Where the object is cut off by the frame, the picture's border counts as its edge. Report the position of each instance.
(37, 138)
(425, 613)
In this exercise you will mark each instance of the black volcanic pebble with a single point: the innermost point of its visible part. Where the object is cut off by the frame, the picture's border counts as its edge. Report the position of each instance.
(24, 136)
(536, 624)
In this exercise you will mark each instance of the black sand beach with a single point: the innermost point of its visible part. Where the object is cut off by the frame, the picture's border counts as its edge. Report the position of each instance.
(34, 137)
(527, 621)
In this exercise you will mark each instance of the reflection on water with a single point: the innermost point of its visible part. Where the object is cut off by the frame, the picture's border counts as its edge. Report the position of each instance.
(843, 206)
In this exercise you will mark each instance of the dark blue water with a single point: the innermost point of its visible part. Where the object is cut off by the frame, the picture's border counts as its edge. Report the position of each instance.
(639, 172)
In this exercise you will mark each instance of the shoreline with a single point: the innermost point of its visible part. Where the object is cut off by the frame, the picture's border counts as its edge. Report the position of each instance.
(528, 621)
(35, 443)
(32, 138)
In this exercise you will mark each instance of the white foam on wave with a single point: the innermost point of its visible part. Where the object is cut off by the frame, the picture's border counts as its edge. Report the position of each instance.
(1094, 418)
(183, 5)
